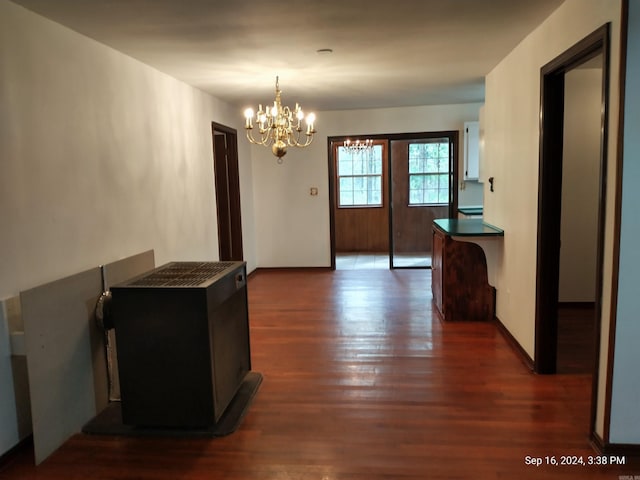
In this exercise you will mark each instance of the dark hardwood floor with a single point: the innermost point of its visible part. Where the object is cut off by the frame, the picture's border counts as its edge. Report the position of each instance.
(576, 338)
(362, 381)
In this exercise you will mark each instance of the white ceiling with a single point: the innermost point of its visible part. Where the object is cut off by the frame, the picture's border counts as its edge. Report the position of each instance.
(385, 53)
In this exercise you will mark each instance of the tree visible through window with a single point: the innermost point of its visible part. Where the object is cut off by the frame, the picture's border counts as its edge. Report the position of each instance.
(429, 172)
(360, 177)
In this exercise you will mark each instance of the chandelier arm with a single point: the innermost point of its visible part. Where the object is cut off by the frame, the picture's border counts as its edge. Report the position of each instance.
(250, 137)
(293, 139)
(308, 141)
(296, 142)
(265, 138)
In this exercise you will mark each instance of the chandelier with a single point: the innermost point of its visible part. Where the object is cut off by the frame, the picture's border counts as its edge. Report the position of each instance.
(280, 127)
(358, 146)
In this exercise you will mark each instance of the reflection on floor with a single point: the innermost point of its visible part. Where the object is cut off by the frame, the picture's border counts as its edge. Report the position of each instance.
(361, 261)
(412, 260)
(379, 260)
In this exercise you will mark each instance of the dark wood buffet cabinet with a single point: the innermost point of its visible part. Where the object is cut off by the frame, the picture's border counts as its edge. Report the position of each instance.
(460, 285)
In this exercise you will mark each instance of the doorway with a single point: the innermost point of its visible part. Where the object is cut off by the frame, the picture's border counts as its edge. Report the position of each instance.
(555, 181)
(581, 179)
(382, 205)
(227, 182)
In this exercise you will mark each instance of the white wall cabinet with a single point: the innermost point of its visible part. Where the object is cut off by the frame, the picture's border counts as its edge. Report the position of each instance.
(471, 150)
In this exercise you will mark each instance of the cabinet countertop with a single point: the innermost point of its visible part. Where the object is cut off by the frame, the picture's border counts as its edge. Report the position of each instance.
(470, 210)
(467, 227)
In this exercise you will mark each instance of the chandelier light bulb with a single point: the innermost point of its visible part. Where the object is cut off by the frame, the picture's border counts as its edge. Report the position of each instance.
(248, 115)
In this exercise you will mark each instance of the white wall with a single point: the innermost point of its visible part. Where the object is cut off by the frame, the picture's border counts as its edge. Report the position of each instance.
(472, 194)
(580, 185)
(101, 157)
(625, 414)
(292, 227)
(511, 156)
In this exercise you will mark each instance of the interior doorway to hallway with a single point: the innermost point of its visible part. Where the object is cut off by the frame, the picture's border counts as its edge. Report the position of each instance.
(558, 184)
(227, 182)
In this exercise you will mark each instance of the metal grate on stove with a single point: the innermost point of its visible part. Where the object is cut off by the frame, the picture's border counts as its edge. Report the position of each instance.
(183, 274)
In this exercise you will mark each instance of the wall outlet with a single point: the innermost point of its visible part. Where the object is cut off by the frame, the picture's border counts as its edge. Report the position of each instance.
(313, 191)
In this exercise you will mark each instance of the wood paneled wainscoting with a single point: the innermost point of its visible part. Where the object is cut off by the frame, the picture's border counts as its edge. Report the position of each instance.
(362, 229)
(363, 382)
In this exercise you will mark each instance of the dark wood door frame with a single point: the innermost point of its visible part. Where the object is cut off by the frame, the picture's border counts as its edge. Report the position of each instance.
(550, 190)
(549, 202)
(227, 182)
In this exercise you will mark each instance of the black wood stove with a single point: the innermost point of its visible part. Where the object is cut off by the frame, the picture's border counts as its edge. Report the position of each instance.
(182, 335)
